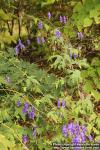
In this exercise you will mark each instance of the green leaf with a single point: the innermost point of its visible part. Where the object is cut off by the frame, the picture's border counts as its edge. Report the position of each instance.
(87, 22)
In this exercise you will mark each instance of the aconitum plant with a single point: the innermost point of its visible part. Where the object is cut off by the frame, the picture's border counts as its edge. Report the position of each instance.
(49, 15)
(58, 34)
(19, 46)
(77, 132)
(40, 25)
(25, 139)
(18, 104)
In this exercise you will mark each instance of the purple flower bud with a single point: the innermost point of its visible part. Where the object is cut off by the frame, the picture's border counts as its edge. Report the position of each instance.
(25, 108)
(28, 42)
(25, 139)
(64, 19)
(38, 40)
(18, 103)
(75, 56)
(20, 44)
(61, 19)
(71, 128)
(90, 138)
(40, 25)
(59, 103)
(57, 33)
(82, 137)
(64, 130)
(49, 15)
(17, 49)
(63, 104)
(76, 139)
(80, 35)
(42, 40)
(31, 114)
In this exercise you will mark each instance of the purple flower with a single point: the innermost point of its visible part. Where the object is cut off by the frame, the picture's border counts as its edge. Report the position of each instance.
(71, 128)
(64, 130)
(40, 25)
(83, 129)
(58, 33)
(80, 35)
(63, 104)
(61, 19)
(42, 40)
(59, 103)
(17, 49)
(31, 114)
(76, 139)
(25, 108)
(18, 103)
(90, 138)
(75, 56)
(28, 42)
(64, 19)
(38, 40)
(82, 137)
(25, 139)
(49, 15)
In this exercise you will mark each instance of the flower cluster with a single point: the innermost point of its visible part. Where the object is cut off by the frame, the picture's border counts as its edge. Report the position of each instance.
(29, 110)
(40, 40)
(72, 55)
(19, 46)
(63, 103)
(63, 19)
(76, 131)
(25, 139)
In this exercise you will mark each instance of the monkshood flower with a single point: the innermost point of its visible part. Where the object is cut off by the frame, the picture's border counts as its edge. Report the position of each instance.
(64, 130)
(31, 113)
(80, 35)
(76, 139)
(64, 19)
(49, 15)
(25, 139)
(42, 40)
(63, 104)
(40, 25)
(18, 104)
(90, 138)
(75, 56)
(28, 42)
(71, 128)
(17, 49)
(20, 44)
(61, 19)
(59, 103)
(58, 34)
(38, 40)
(25, 108)
(83, 138)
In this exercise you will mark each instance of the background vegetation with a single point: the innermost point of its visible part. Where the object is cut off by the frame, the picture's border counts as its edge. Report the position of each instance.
(49, 73)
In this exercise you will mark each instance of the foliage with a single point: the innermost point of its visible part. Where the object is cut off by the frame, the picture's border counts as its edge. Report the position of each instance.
(41, 105)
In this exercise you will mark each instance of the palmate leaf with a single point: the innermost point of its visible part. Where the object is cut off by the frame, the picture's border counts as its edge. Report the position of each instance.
(74, 78)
